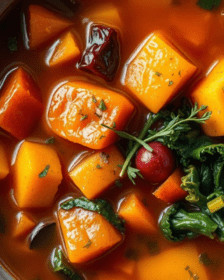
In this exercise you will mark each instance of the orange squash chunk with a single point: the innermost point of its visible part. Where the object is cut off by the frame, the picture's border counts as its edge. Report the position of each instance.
(37, 175)
(157, 73)
(177, 263)
(170, 191)
(78, 109)
(24, 225)
(4, 164)
(66, 50)
(87, 235)
(20, 104)
(98, 172)
(44, 25)
(210, 91)
(136, 215)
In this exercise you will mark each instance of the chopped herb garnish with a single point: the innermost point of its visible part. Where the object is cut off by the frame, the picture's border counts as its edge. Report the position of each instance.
(44, 172)
(104, 157)
(98, 116)
(114, 125)
(205, 260)
(88, 244)
(12, 44)
(94, 99)
(120, 165)
(118, 183)
(50, 140)
(102, 136)
(84, 117)
(132, 254)
(170, 83)
(209, 4)
(102, 105)
(98, 166)
(158, 74)
(179, 73)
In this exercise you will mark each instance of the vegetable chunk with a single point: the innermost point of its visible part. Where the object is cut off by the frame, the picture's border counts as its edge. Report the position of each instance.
(157, 73)
(24, 225)
(86, 234)
(178, 263)
(210, 91)
(44, 26)
(136, 215)
(78, 109)
(170, 191)
(20, 104)
(37, 175)
(4, 164)
(66, 50)
(98, 172)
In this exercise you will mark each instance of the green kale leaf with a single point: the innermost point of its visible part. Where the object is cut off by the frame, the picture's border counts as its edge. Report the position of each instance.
(208, 4)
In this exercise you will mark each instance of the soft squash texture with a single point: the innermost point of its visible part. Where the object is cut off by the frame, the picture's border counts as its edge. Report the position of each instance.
(74, 113)
(44, 25)
(136, 215)
(20, 104)
(210, 91)
(178, 263)
(67, 50)
(98, 172)
(31, 190)
(157, 73)
(25, 224)
(4, 164)
(170, 191)
(86, 234)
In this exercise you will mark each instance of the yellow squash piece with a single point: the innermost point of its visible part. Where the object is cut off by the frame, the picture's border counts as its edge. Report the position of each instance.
(210, 92)
(37, 175)
(98, 172)
(157, 73)
(24, 225)
(86, 234)
(65, 51)
(4, 164)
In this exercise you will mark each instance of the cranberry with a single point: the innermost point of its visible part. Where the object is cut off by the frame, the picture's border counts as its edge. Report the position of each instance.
(155, 166)
(101, 56)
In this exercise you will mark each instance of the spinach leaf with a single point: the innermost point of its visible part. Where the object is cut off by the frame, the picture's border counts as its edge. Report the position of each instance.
(100, 206)
(218, 172)
(59, 266)
(204, 151)
(206, 177)
(208, 4)
(218, 218)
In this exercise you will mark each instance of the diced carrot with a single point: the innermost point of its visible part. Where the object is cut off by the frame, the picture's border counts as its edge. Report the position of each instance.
(20, 104)
(157, 73)
(66, 50)
(4, 164)
(136, 215)
(37, 175)
(170, 191)
(210, 91)
(78, 109)
(179, 263)
(24, 225)
(44, 25)
(86, 234)
(98, 172)
(111, 275)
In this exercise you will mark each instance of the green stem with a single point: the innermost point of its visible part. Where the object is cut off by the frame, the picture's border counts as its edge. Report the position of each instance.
(141, 136)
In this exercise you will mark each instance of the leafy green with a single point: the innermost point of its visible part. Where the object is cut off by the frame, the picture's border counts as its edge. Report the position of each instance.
(208, 4)
(218, 173)
(44, 172)
(133, 173)
(50, 140)
(102, 105)
(59, 266)
(206, 177)
(100, 206)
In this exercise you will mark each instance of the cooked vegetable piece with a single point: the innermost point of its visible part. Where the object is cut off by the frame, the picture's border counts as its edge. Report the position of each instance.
(111, 275)
(209, 4)
(35, 185)
(73, 100)
(66, 50)
(24, 225)
(102, 53)
(44, 26)
(4, 164)
(86, 234)
(180, 262)
(170, 191)
(98, 172)
(157, 56)
(20, 104)
(136, 215)
(210, 90)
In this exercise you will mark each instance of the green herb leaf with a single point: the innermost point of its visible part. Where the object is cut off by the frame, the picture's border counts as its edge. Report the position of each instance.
(170, 83)
(102, 106)
(104, 157)
(50, 140)
(12, 44)
(133, 173)
(158, 74)
(84, 117)
(44, 172)
(114, 125)
(100, 206)
(94, 99)
(98, 166)
(88, 244)
(209, 4)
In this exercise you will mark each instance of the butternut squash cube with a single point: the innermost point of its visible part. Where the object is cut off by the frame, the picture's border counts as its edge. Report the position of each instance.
(20, 104)
(37, 175)
(210, 92)
(24, 225)
(178, 263)
(98, 172)
(78, 109)
(136, 215)
(66, 50)
(4, 164)
(87, 235)
(44, 25)
(157, 73)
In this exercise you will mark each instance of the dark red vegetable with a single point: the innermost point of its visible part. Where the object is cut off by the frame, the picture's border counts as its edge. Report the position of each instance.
(155, 166)
(102, 53)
